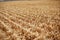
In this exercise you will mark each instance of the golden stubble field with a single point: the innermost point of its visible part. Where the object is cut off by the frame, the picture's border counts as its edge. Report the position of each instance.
(30, 20)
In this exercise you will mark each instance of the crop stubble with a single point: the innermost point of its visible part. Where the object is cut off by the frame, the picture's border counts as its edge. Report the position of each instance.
(34, 20)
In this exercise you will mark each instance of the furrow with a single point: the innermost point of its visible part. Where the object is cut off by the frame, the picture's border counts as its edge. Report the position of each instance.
(3, 26)
(7, 22)
(17, 25)
(25, 17)
(17, 20)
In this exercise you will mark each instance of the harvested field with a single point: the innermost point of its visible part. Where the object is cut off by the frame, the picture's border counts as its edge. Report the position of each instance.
(30, 20)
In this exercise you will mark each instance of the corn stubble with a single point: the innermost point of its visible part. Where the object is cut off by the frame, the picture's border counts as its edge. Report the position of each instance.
(30, 20)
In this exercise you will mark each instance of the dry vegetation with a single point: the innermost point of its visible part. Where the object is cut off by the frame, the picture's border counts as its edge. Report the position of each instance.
(30, 20)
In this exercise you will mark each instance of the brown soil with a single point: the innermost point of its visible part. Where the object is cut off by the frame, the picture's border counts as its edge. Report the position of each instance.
(34, 20)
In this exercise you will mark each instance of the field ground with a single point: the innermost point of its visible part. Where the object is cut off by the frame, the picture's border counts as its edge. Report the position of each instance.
(30, 20)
